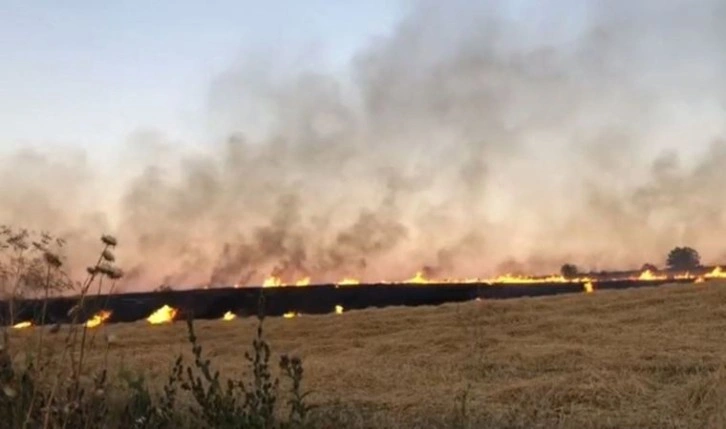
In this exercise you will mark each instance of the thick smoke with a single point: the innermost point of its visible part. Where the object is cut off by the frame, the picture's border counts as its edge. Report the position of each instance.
(469, 141)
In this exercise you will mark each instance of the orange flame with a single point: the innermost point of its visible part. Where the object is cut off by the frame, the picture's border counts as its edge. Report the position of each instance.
(228, 316)
(716, 273)
(303, 282)
(272, 281)
(682, 276)
(648, 275)
(507, 278)
(290, 315)
(339, 309)
(419, 278)
(98, 319)
(23, 325)
(589, 288)
(165, 314)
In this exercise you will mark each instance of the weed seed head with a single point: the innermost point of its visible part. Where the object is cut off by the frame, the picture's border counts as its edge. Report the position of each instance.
(116, 273)
(109, 240)
(105, 268)
(108, 255)
(52, 259)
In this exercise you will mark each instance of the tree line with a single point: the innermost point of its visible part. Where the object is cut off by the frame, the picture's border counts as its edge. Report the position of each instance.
(678, 259)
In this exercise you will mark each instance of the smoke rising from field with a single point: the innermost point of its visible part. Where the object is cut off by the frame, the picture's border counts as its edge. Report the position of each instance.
(465, 142)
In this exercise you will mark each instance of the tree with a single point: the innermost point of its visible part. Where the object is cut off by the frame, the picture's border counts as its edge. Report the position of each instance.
(569, 271)
(649, 267)
(683, 258)
(164, 288)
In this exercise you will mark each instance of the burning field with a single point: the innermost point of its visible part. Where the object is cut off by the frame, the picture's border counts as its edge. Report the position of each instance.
(641, 358)
(624, 349)
(431, 224)
(277, 298)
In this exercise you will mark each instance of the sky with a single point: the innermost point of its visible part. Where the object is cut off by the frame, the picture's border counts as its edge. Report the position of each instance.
(86, 73)
(370, 139)
(89, 73)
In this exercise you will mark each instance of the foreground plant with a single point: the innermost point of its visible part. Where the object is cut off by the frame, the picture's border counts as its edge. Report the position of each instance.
(240, 403)
(218, 403)
(52, 388)
(49, 388)
(29, 268)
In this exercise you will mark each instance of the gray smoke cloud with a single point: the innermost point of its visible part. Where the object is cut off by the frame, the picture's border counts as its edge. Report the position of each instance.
(464, 143)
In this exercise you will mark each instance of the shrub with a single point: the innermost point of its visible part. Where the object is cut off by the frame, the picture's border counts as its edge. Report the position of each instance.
(649, 267)
(569, 271)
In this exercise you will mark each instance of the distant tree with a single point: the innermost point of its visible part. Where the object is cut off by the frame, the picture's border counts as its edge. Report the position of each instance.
(569, 271)
(164, 288)
(649, 267)
(683, 258)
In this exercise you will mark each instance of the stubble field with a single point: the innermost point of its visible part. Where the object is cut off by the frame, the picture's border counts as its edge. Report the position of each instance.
(648, 358)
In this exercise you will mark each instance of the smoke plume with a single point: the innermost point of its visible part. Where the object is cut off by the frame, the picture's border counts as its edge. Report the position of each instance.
(470, 140)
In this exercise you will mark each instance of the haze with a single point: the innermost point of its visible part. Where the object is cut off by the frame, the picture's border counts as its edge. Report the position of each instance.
(224, 143)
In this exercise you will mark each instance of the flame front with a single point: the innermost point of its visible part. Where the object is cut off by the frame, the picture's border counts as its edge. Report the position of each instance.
(165, 314)
(716, 273)
(648, 275)
(272, 281)
(275, 281)
(419, 278)
(423, 279)
(98, 319)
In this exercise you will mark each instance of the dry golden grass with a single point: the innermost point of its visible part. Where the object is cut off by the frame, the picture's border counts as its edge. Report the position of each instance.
(648, 358)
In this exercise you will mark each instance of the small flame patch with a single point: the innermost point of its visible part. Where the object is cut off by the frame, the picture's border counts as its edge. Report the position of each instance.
(589, 288)
(165, 314)
(98, 319)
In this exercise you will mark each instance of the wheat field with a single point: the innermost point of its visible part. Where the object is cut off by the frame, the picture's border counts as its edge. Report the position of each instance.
(647, 358)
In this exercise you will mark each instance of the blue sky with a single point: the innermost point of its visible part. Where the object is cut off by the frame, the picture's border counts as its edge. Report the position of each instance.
(88, 73)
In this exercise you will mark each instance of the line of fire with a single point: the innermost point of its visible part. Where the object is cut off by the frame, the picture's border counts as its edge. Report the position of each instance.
(300, 297)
